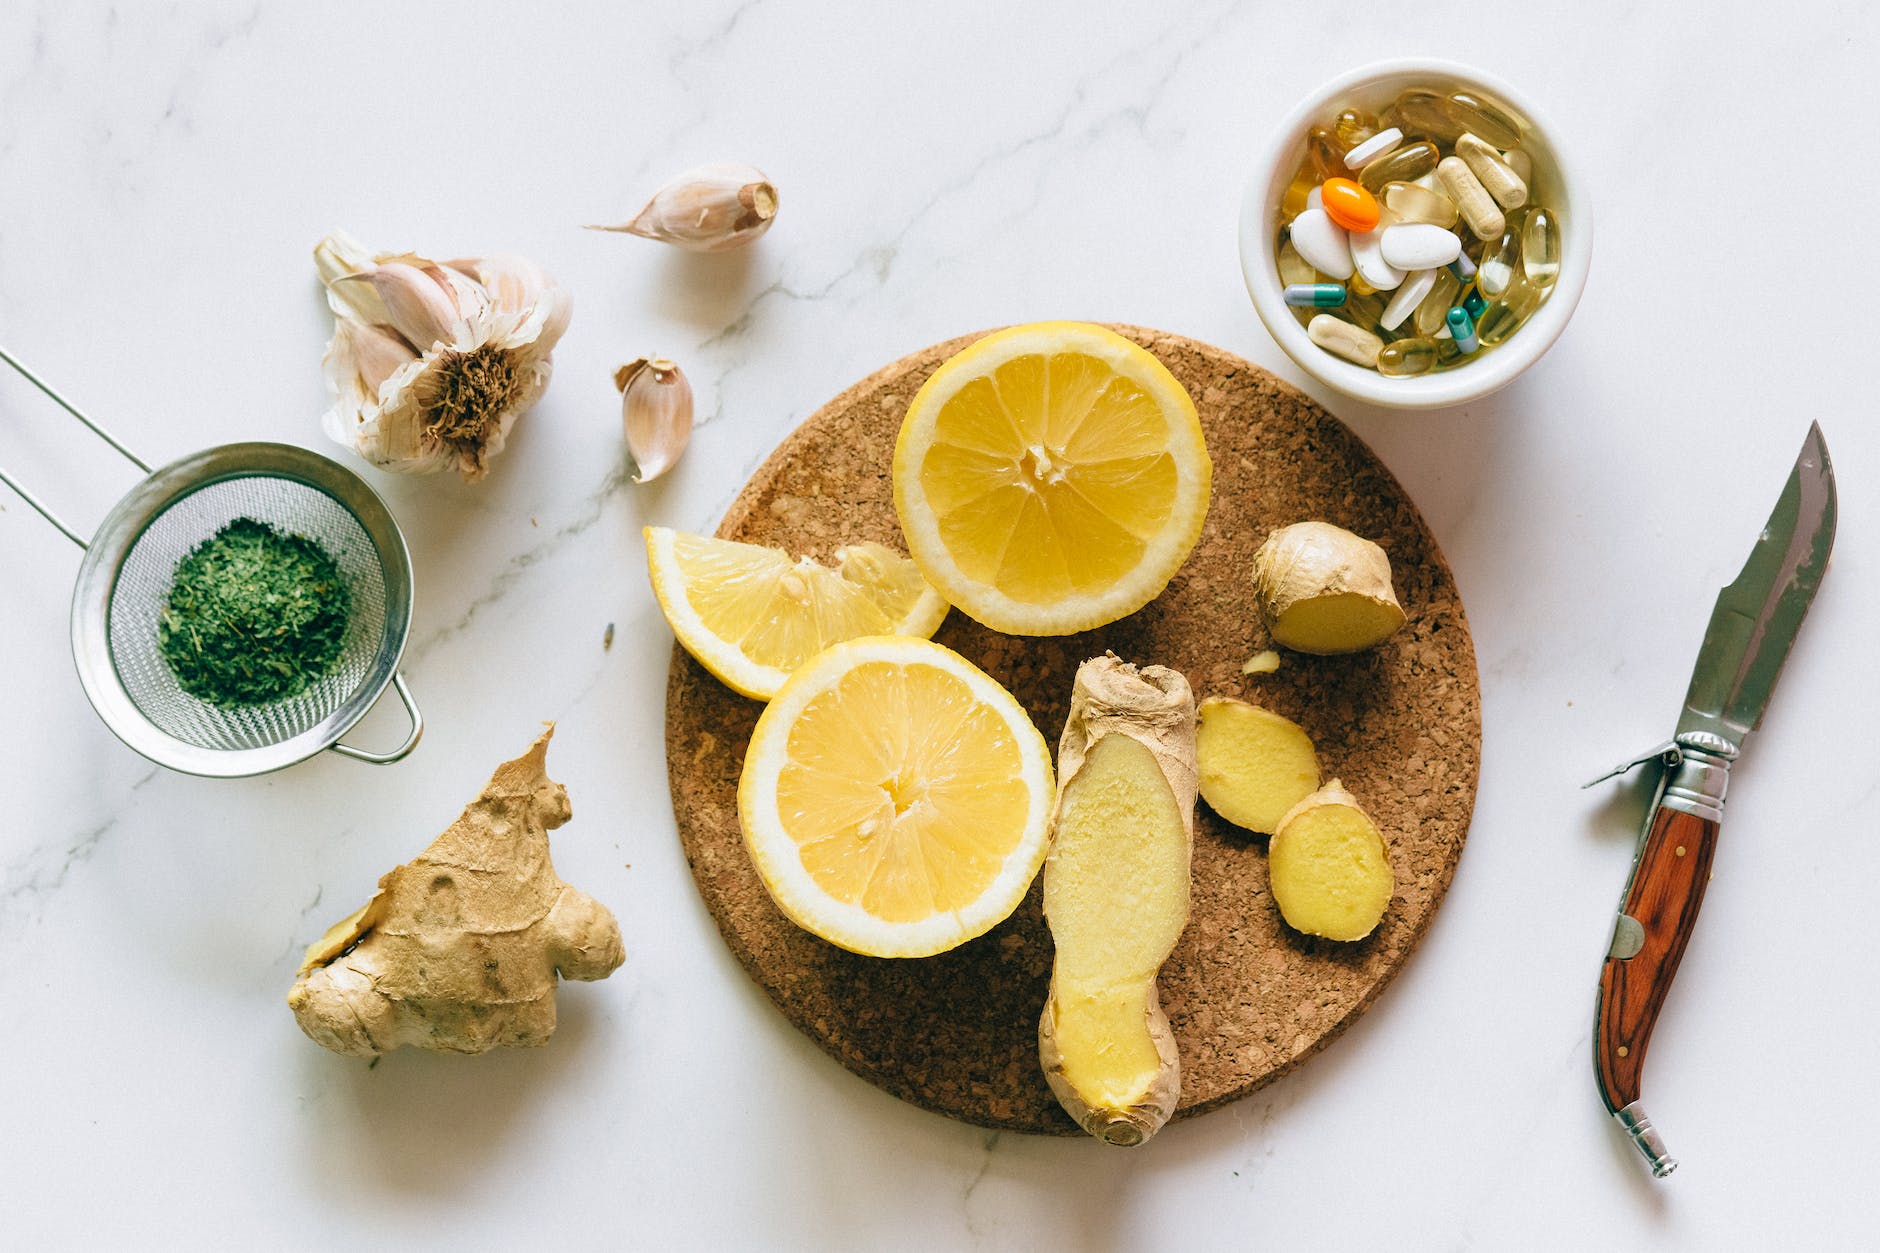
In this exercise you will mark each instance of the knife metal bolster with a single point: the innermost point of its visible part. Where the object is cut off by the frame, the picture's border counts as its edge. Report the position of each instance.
(1666, 754)
(1701, 777)
(1637, 1125)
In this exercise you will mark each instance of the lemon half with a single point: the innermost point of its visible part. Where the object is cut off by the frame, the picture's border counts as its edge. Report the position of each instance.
(1051, 478)
(895, 799)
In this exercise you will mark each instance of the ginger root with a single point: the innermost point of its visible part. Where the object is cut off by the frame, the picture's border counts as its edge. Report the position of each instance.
(1329, 868)
(459, 949)
(1255, 765)
(1116, 896)
(1324, 590)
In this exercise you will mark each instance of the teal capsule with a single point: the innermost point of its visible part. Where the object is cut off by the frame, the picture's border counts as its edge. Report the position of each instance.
(1474, 303)
(1463, 267)
(1315, 295)
(1462, 330)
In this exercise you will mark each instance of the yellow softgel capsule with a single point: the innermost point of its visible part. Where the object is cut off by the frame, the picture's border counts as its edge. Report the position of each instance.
(1470, 112)
(1353, 126)
(1324, 153)
(1405, 165)
(1540, 248)
(1420, 111)
(1406, 357)
(1434, 308)
(1413, 202)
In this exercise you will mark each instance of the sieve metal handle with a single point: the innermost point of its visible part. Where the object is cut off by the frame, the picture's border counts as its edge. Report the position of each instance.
(403, 750)
(43, 510)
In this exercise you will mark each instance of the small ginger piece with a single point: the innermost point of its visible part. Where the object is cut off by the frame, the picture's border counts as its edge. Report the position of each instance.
(1329, 868)
(1266, 661)
(1255, 764)
(1116, 896)
(459, 949)
(1324, 590)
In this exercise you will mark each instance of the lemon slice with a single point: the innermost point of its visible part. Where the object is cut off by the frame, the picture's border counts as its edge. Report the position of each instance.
(1051, 478)
(895, 799)
(751, 614)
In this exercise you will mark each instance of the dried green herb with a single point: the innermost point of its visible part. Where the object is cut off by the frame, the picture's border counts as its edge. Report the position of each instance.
(254, 615)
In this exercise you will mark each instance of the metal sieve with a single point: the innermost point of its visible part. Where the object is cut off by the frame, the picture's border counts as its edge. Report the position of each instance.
(124, 581)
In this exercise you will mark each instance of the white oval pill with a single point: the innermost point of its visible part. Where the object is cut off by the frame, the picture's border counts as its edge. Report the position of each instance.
(1353, 343)
(1315, 199)
(1408, 297)
(1373, 148)
(1322, 244)
(1419, 245)
(1367, 256)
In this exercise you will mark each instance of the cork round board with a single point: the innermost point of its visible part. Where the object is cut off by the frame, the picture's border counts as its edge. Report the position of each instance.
(1248, 998)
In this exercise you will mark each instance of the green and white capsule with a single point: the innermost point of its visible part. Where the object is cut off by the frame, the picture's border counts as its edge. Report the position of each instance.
(1315, 295)
(1462, 330)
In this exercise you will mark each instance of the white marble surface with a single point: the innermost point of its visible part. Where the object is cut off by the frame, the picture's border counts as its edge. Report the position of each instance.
(163, 173)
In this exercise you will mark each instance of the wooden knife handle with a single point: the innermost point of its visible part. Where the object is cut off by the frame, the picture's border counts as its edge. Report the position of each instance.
(1667, 887)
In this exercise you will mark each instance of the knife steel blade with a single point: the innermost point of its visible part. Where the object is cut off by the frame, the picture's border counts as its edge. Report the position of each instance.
(1745, 644)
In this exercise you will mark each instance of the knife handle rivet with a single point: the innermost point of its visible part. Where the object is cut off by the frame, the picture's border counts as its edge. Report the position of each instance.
(1623, 1050)
(1680, 850)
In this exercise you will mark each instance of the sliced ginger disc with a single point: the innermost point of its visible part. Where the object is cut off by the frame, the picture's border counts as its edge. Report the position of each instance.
(895, 799)
(1051, 478)
(752, 615)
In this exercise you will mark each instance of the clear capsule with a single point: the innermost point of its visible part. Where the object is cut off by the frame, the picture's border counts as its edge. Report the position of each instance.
(1293, 201)
(1412, 202)
(1315, 295)
(1469, 112)
(1293, 268)
(1405, 357)
(1405, 165)
(1324, 153)
(1353, 126)
(1540, 248)
(1428, 318)
(1501, 257)
(1419, 111)
(1365, 309)
(1505, 316)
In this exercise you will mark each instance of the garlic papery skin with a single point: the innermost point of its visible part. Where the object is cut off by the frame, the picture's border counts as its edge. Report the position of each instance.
(431, 363)
(712, 208)
(656, 409)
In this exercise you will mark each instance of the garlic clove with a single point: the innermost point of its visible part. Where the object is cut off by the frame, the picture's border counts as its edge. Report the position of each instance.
(416, 305)
(711, 208)
(512, 282)
(656, 409)
(337, 257)
(378, 352)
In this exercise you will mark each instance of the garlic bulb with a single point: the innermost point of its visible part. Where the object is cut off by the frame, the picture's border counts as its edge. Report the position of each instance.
(432, 362)
(656, 409)
(712, 208)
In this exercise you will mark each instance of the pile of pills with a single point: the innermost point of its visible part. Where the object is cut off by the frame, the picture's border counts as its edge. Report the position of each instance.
(1409, 243)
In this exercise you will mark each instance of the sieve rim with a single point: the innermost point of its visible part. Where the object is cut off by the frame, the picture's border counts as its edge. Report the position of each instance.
(133, 515)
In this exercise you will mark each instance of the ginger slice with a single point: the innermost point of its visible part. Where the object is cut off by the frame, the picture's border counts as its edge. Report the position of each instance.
(1116, 896)
(459, 949)
(1324, 590)
(1255, 764)
(1329, 867)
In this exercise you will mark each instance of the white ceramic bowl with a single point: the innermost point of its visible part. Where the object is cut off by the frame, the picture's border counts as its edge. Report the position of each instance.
(1556, 184)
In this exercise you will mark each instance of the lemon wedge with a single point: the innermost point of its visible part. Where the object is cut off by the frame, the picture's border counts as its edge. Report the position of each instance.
(895, 799)
(752, 615)
(1051, 478)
